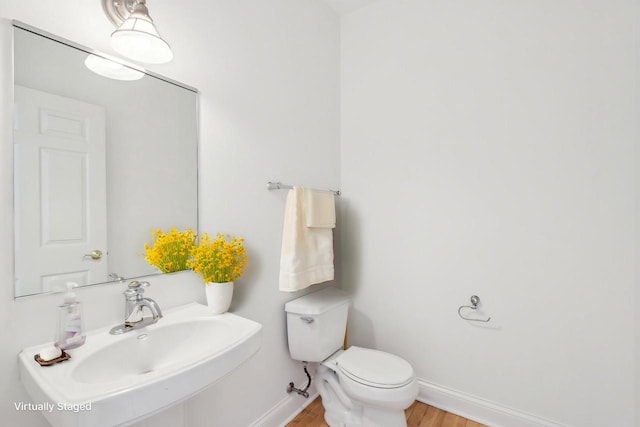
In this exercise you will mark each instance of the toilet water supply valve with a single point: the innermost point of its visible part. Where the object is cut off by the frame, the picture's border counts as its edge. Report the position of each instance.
(302, 392)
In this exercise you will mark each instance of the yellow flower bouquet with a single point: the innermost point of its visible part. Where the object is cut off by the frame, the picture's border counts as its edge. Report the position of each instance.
(220, 260)
(170, 251)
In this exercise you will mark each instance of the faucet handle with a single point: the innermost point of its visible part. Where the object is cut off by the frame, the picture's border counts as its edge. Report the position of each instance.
(137, 285)
(135, 289)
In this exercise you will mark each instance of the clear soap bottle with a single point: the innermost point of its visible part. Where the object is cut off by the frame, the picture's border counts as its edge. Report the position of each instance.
(69, 327)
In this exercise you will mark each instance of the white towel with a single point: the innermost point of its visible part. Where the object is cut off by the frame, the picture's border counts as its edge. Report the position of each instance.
(307, 253)
(320, 209)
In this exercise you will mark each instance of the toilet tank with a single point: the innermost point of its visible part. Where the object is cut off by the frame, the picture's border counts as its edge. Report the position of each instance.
(316, 324)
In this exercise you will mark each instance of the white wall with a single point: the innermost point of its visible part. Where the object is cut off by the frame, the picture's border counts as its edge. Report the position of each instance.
(268, 76)
(637, 236)
(488, 148)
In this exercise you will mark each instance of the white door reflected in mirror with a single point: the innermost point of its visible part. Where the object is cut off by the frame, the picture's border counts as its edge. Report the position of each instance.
(61, 211)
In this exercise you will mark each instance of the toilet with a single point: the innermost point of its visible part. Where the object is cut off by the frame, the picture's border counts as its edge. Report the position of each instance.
(360, 387)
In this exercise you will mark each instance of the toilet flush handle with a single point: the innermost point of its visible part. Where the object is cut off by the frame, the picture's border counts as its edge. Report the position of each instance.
(307, 319)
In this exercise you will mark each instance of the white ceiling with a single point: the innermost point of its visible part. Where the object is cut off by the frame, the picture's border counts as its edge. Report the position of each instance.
(346, 6)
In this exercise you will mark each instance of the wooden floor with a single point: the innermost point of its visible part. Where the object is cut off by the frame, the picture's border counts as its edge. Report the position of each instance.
(418, 415)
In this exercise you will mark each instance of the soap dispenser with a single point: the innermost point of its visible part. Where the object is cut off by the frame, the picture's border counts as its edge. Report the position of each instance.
(69, 328)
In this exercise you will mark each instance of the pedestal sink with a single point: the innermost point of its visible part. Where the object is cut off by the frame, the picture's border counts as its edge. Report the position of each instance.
(117, 379)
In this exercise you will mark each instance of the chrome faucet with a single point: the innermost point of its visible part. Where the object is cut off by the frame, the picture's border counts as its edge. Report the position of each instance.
(133, 309)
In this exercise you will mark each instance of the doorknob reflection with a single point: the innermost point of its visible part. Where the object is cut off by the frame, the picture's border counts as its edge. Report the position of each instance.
(95, 255)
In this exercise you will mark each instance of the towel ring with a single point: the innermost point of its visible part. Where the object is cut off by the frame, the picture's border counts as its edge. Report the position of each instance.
(475, 300)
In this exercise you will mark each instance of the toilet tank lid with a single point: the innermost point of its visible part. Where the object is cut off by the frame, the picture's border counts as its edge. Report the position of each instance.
(318, 302)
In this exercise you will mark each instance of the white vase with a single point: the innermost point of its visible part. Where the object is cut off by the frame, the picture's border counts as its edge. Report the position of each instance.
(219, 296)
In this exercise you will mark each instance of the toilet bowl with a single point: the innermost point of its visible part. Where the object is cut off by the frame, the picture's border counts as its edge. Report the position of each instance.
(377, 388)
(359, 387)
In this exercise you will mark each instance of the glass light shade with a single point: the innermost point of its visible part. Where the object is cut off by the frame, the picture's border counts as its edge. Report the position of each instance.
(138, 39)
(111, 69)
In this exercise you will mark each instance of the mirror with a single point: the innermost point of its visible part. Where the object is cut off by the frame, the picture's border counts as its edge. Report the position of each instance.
(98, 163)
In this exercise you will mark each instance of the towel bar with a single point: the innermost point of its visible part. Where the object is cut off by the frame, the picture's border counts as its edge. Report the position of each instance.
(281, 186)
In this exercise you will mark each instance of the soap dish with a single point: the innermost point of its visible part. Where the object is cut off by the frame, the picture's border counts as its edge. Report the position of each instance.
(64, 356)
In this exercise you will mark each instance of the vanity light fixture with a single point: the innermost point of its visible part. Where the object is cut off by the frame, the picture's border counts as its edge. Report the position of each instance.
(136, 37)
(112, 69)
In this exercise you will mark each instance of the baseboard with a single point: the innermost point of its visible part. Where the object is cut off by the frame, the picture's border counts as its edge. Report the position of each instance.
(286, 410)
(465, 405)
(477, 409)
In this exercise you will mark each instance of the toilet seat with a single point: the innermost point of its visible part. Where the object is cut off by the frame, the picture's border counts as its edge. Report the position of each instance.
(374, 368)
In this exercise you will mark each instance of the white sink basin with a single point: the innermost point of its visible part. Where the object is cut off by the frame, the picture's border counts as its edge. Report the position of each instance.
(118, 379)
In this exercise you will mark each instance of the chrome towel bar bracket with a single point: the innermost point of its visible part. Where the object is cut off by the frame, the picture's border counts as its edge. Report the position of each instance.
(475, 300)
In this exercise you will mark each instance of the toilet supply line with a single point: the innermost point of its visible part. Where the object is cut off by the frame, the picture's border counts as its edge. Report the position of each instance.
(302, 392)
